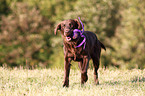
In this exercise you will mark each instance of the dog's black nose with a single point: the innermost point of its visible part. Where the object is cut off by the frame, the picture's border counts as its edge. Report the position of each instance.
(67, 30)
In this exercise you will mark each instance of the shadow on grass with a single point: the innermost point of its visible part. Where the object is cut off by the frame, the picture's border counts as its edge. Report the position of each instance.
(133, 80)
(113, 82)
(138, 79)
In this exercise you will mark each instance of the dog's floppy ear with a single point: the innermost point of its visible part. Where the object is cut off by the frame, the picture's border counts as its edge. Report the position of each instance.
(78, 24)
(58, 27)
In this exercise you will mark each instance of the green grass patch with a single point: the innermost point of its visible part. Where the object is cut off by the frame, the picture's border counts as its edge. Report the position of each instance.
(48, 82)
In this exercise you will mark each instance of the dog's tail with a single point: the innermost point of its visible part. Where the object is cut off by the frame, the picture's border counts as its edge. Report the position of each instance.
(102, 45)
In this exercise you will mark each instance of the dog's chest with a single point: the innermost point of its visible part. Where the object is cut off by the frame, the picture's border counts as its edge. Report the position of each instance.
(73, 52)
(76, 53)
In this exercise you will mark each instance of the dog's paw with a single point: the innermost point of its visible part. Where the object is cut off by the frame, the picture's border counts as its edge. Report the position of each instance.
(66, 84)
(84, 78)
(96, 82)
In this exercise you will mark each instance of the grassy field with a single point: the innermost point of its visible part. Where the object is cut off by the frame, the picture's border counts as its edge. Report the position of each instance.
(48, 82)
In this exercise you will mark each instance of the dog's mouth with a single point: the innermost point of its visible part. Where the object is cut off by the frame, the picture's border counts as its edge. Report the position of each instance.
(72, 36)
(69, 37)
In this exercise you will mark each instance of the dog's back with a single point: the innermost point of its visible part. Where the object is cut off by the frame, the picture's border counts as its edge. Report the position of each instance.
(92, 41)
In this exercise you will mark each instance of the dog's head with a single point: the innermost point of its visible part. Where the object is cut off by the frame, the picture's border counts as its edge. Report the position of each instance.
(66, 27)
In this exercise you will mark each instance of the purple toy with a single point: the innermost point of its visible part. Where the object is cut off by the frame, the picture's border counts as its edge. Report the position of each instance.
(76, 34)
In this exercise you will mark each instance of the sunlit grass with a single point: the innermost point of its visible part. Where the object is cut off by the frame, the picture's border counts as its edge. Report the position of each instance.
(48, 82)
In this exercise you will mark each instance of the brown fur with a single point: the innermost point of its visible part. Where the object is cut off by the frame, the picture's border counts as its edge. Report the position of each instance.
(92, 50)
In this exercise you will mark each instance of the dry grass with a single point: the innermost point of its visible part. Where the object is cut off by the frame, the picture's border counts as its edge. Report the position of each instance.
(48, 82)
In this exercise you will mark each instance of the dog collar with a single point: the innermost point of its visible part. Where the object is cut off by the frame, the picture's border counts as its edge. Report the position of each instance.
(84, 40)
(76, 31)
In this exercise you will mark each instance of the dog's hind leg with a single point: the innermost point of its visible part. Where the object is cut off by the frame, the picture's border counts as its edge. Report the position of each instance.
(96, 67)
(96, 61)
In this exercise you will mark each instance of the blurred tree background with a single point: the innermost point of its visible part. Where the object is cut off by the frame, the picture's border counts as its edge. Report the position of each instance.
(27, 31)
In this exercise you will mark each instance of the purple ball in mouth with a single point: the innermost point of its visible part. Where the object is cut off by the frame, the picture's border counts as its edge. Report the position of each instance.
(74, 36)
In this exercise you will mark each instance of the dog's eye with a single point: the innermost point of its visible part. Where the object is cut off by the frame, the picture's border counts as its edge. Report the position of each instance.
(63, 25)
(70, 25)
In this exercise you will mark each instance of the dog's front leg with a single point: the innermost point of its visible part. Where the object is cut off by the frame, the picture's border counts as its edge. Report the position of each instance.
(66, 71)
(83, 65)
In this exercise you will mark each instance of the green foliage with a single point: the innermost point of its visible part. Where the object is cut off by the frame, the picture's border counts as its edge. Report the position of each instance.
(23, 37)
(129, 41)
(27, 26)
(53, 9)
(3, 7)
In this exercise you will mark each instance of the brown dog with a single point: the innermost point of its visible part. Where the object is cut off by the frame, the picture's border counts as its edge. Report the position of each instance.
(82, 54)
